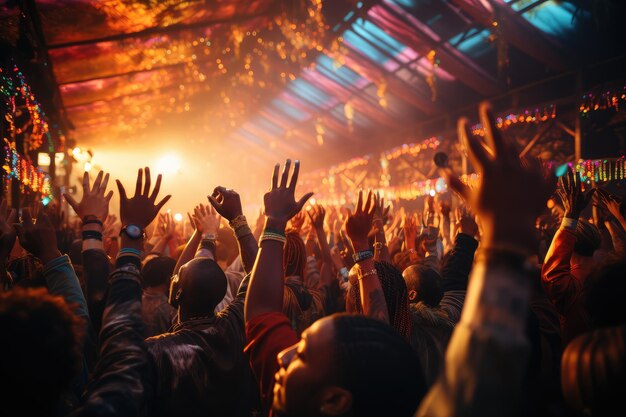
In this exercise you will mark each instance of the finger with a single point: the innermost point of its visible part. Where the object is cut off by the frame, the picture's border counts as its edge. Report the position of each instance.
(475, 151)
(285, 176)
(368, 202)
(97, 182)
(157, 188)
(359, 202)
(139, 182)
(500, 147)
(105, 183)
(146, 187)
(109, 196)
(191, 222)
(294, 177)
(303, 201)
(455, 184)
(121, 190)
(275, 177)
(86, 183)
(70, 200)
(213, 202)
(162, 203)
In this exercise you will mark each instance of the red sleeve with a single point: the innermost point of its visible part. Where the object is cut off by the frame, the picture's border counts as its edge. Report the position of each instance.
(560, 285)
(267, 335)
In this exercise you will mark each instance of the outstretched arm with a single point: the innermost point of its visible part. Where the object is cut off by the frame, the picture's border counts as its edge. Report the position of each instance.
(358, 226)
(228, 204)
(265, 293)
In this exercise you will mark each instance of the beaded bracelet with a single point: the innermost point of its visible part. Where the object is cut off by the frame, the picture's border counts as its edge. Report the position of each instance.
(87, 220)
(242, 231)
(272, 236)
(238, 222)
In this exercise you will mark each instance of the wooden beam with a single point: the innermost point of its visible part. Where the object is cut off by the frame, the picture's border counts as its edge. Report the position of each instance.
(535, 139)
(415, 34)
(517, 31)
(152, 31)
(566, 128)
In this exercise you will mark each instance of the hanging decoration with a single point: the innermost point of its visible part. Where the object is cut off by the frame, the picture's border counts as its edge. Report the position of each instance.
(606, 100)
(431, 78)
(412, 149)
(348, 111)
(502, 47)
(319, 131)
(18, 167)
(527, 116)
(17, 96)
(381, 89)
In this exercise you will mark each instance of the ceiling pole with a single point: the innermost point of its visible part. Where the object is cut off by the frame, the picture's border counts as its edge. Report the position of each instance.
(422, 39)
(517, 31)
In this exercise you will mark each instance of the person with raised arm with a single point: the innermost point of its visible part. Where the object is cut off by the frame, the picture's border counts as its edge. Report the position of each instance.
(569, 260)
(200, 366)
(93, 210)
(344, 365)
(487, 357)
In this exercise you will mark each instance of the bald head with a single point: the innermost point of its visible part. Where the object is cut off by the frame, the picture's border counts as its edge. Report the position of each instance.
(202, 285)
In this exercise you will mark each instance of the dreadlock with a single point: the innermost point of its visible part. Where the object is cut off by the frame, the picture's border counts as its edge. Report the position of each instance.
(377, 366)
(396, 296)
(294, 255)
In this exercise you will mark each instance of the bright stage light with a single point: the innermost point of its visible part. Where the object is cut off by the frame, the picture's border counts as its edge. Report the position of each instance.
(88, 166)
(178, 217)
(168, 164)
(76, 151)
(432, 193)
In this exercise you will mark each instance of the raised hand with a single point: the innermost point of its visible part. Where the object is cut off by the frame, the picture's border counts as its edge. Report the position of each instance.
(316, 216)
(573, 198)
(7, 230)
(511, 195)
(141, 209)
(168, 226)
(280, 203)
(609, 202)
(38, 238)
(206, 219)
(410, 231)
(94, 201)
(226, 202)
(465, 222)
(359, 223)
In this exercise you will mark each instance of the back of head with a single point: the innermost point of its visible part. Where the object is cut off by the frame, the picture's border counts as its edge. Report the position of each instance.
(157, 271)
(426, 284)
(40, 351)
(593, 372)
(294, 255)
(378, 367)
(605, 292)
(201, 286)
(588, 238)
(227, 248)
(395, 292)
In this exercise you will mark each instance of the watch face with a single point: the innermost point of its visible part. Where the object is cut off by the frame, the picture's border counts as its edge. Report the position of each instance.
(133, 231)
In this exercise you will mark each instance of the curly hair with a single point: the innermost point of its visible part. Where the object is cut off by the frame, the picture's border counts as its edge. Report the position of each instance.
(396, 296)
(40, 353)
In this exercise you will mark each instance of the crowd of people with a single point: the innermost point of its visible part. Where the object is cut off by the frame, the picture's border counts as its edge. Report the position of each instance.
(499, 306)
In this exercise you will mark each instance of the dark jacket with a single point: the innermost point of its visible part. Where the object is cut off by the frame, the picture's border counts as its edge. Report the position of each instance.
(123, 372)
(201, 369)
(432, 327)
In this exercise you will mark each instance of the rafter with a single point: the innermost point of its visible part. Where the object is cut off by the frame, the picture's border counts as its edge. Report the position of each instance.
(517, 31)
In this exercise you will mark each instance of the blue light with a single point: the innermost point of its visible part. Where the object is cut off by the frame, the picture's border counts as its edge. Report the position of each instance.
(561, 170)
(553, 18)
(46, 200)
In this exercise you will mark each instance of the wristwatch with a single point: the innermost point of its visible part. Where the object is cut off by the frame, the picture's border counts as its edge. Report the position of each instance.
(133, 231)
(363, 255)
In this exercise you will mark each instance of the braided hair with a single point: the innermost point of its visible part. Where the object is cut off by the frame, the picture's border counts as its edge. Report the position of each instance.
(294, 255)
(396, 296)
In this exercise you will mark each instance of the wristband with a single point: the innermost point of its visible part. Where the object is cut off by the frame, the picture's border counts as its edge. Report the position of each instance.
(209, 236)
(129, 252)
(378, 246)
(91, 220)
(238, 222)
(92, 234)
(568, 223)
(274, 232)
(272, 236)
(242, 231)
(363, 255)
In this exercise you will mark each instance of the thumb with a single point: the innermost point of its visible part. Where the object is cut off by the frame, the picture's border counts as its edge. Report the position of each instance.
(303, 201)
(70, 200)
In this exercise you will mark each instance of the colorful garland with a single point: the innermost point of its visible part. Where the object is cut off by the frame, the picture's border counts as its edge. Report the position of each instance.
(527, 116)
(20, 168)
(603, 101)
